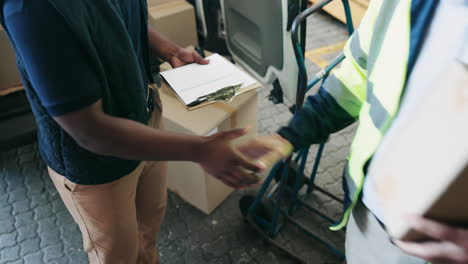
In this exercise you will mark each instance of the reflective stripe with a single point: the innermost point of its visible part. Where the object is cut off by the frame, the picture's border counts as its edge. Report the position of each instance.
(349, 95)
(379, 115)
(357, 53)
(347, 84)
(392, 53)
(359, 44)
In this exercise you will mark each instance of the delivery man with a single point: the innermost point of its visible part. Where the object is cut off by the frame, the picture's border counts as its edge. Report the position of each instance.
(399, 46)
(85, 67)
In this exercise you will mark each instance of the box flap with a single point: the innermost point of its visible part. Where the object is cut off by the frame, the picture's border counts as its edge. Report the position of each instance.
(200, 121)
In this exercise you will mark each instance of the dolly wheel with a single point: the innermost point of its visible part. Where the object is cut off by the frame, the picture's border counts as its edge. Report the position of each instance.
(262, 210)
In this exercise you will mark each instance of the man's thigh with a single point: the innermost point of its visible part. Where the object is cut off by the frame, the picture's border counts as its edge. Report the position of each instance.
(367, 241)
(106, 215)
(151, 197)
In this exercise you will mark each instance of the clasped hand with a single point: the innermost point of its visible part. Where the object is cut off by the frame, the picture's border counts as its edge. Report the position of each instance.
(238, 166)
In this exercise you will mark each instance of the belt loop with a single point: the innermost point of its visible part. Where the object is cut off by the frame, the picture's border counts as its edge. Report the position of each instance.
(150, 99)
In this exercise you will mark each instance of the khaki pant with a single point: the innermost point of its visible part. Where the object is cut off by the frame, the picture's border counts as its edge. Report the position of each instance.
(119, 221)
(367, 242)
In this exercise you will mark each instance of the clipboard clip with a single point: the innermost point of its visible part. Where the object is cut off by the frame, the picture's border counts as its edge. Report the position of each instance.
(224, 94)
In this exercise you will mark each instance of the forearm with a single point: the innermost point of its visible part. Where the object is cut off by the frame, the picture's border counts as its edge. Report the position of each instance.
(161, 47)
(128, 139)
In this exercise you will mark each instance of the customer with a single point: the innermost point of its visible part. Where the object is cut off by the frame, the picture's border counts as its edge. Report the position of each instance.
(85, 68)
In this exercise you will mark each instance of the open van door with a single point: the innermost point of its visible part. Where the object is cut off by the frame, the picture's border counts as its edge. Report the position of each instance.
(259, 39)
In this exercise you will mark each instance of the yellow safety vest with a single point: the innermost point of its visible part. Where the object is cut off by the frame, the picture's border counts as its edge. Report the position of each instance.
(370, 81)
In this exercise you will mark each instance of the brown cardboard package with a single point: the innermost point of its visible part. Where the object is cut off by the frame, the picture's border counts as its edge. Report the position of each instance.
(9, 75)
(152, 3)
(421, 167)
(176, 20)
(188, 179)
(335, 8)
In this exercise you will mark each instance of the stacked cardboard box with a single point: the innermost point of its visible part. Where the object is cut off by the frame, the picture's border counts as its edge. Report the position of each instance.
(335, 8)
(175, 19)
(153, 3)
(409, 178)
(187, 179)
(10, 79)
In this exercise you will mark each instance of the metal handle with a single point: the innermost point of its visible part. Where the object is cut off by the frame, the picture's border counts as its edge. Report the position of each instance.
(302, 86)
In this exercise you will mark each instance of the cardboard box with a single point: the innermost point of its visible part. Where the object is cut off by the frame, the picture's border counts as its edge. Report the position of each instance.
(187, 179)
(175, 20)
(9, 74)
(153, 3)
(335, 8)
(421, 167)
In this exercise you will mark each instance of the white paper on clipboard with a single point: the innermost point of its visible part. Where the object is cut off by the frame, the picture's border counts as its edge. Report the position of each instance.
(192, 81)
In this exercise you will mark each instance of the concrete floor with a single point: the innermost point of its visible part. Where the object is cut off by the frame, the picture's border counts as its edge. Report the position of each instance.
(35, 227)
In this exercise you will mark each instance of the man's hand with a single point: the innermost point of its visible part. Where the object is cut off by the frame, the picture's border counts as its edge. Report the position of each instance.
(225, 162)
(450, 245)
(184, 56)
(169, 51)
(267, 149)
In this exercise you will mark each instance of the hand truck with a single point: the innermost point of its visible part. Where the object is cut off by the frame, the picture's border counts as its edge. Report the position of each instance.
(269, 212)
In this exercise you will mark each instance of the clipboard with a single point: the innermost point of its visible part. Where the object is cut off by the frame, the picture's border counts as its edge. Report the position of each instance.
(191, 82)
(166, 88)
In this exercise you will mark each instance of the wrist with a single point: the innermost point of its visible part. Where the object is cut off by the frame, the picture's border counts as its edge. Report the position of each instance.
(286, 147)
(161, 46)
(197, 149)
(171, 53)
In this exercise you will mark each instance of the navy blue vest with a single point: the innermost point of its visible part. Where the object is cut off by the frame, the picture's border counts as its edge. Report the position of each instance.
(101, 31)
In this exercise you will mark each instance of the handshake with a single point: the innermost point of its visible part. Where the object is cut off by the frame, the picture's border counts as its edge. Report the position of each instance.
(238, 166)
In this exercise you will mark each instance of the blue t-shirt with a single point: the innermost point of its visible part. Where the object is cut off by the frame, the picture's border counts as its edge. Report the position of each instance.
(44, 41)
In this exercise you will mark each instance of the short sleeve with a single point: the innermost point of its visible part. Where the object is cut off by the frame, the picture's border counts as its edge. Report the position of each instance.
(56, 64)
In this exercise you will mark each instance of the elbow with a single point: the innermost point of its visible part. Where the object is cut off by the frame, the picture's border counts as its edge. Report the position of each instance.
(88, 128)
(92, 144)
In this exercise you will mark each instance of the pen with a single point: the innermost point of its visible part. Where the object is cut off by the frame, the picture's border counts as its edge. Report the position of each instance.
(198, 101)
